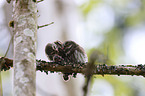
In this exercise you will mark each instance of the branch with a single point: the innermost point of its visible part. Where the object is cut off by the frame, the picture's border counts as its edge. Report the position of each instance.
(38, 27)
(101, 69)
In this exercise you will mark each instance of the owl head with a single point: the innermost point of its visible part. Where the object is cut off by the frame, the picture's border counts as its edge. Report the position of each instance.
(69, 44)
(50, 50)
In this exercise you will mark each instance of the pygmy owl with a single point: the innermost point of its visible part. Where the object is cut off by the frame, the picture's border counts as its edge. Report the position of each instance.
(67, 53)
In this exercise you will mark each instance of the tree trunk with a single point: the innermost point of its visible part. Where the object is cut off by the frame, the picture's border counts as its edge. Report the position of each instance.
(25, 30)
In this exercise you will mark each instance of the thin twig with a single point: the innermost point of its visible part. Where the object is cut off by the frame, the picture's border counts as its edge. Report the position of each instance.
(45, 25)
(9, 46)
(40, 1)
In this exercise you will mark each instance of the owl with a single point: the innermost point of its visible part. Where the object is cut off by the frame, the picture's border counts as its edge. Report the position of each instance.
(65, 53)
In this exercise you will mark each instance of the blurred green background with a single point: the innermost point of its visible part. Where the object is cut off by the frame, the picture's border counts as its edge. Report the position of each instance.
(120, 25)
(115, 29)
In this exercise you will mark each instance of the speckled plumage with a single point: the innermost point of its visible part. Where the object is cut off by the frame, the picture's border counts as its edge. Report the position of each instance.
(65, 53)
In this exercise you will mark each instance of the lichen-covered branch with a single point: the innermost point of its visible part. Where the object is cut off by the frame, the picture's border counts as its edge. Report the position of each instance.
(102, 69)
(25, 30)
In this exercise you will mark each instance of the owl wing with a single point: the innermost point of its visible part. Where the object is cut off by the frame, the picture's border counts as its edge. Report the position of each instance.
(77, 55)
(80, 55)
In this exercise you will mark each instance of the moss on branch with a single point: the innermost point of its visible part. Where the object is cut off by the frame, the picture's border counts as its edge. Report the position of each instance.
(102, 69)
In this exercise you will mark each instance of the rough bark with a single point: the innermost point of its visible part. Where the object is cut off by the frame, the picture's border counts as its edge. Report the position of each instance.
(25, 30)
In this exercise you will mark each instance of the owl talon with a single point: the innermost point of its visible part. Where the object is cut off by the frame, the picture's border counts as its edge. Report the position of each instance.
(74, 75)
(65, 76)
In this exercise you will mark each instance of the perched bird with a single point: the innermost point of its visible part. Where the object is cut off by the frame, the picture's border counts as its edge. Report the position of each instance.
(67, 53)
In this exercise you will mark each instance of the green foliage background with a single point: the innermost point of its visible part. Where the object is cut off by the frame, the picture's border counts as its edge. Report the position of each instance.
(127, 15)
